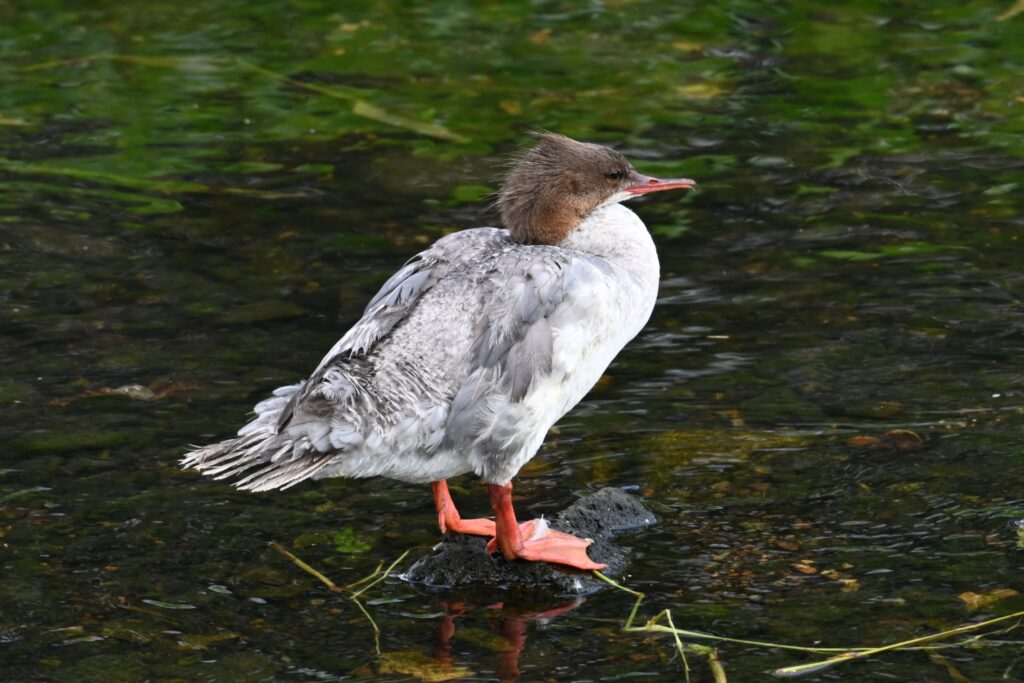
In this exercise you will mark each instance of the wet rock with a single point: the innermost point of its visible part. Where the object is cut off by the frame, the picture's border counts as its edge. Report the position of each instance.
(461, 561)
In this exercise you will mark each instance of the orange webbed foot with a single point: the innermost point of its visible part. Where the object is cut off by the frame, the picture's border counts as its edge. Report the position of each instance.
(539, 543)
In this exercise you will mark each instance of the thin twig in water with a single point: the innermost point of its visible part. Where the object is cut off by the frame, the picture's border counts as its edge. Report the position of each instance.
(371, 580)
(373, 625)
(1009, 669)
(382, 576)
(679, 646)
(954, 673)
(305, 567)
(368, 577)
(651, 626)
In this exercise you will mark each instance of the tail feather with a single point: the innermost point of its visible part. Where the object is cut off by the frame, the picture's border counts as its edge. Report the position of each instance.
(286, 458)
(277, 477)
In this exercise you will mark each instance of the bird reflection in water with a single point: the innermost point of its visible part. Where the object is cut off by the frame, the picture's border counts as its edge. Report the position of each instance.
(510, 623)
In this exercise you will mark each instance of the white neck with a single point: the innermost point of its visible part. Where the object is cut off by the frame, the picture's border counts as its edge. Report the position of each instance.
(617, 235)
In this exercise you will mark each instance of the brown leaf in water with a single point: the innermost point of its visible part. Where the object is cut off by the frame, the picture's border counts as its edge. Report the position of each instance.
(512, 107)
(687, 46)
(701, 91)
(977, 601)
(972, 600)
(901, 440)
(849, 585)
(734, 416)
(540, 37)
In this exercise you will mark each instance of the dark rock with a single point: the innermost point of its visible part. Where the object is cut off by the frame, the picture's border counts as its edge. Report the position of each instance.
(461, 562)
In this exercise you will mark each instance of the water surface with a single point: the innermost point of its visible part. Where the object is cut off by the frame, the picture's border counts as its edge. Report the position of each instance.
(198, 199)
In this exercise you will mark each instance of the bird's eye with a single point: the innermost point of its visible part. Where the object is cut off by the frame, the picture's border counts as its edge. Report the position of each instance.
(614, 175)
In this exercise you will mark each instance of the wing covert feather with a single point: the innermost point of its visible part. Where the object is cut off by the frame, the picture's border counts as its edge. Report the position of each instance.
(531, 291)
(396, 300)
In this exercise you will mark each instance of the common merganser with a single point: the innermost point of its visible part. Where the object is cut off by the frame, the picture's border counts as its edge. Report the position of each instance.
(473, 350)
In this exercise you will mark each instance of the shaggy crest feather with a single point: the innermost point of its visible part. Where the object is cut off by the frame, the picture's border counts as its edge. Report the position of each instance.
(552, 186)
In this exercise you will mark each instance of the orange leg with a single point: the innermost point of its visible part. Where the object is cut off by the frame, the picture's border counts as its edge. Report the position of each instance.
(533, 540)
(448, 517)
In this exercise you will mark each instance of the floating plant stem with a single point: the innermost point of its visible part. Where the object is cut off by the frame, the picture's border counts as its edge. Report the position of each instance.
(717, 670)
(912, 644)
(371, 580)
(651, 626)
(679, 646)
(845, 654)
(383, 576)
(368, 577)
(305, 567)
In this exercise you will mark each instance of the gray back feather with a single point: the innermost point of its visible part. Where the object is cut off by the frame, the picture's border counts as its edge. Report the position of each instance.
(396, 299)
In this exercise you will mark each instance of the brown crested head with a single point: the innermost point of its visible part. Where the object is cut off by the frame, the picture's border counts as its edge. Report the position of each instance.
(553, 186)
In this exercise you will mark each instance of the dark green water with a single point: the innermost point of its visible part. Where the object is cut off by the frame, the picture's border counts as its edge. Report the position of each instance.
(179, 218)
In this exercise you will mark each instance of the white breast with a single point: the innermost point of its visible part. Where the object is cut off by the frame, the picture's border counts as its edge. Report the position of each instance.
(589, 333)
